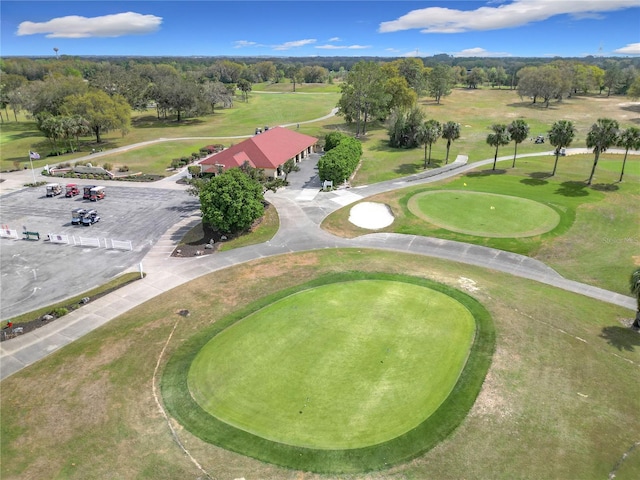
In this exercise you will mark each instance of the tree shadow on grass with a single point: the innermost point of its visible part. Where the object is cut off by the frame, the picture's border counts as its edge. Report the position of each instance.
(408, 169)
(533, 182)
(605, 187)
(486, 173)
(151, 121)
(573, 189)
(621, 338)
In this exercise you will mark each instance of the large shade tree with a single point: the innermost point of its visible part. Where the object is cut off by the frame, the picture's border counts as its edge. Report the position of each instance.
(560, 136)
(231, 201)
(629, 139)
(498, 138)
(364, 96)
(450, 132)
(102, 112)
(519, 131)
(602, 135)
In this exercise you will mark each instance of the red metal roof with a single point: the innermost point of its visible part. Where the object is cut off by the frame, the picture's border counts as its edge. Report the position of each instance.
(267, 150)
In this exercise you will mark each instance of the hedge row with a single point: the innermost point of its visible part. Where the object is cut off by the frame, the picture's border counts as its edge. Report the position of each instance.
(341, 160)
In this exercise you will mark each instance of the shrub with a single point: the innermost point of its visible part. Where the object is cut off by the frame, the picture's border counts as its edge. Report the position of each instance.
(340, 161)
(59, 312)
(107, 166)
(123, 168)
(175, 163)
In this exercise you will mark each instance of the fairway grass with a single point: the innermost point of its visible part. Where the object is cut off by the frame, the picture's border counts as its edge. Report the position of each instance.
(484, 214)
(360, 409)
(345, 365)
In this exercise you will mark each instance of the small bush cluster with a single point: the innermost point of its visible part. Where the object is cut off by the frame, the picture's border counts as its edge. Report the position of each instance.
(123, 168)
(59, 312)
(342, 159)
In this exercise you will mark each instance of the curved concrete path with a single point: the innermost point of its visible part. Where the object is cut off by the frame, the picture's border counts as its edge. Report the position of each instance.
(300, 218)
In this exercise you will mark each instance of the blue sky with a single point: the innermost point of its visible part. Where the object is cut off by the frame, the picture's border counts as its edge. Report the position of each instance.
(493, 28)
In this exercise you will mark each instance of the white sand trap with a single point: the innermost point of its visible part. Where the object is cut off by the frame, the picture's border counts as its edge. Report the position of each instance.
(371, 215)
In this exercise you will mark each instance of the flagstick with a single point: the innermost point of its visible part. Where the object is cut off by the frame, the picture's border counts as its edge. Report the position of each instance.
(33, 172)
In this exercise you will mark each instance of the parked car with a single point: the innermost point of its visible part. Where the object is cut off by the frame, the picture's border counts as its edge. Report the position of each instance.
(90, 218)
(71, 190)
(53, 189)
(77, 214)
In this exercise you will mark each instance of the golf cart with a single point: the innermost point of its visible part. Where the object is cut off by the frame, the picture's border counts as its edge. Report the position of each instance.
(539, 139)
(96, 193)
(90, 218)
(77, 215)
(53, 189)
(87, 192)
(71, 190)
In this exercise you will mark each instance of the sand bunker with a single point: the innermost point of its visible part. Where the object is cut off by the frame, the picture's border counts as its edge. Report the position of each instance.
(371, 216)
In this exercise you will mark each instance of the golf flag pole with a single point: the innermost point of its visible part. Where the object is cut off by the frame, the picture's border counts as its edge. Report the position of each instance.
(33, 172)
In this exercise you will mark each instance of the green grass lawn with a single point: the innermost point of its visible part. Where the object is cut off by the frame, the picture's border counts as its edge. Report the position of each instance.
(484, 214)
(344, 365)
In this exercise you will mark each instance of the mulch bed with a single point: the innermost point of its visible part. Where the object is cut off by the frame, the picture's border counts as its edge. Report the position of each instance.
(204, 246)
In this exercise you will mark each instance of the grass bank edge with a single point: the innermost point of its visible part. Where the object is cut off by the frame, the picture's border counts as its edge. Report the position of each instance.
(410, 445)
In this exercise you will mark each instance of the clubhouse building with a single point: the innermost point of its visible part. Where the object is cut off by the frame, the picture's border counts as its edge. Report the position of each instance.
(268, 150)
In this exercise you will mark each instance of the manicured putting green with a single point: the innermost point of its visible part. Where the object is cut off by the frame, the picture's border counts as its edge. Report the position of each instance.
(484, 214)
(366, 357)
(345, 365)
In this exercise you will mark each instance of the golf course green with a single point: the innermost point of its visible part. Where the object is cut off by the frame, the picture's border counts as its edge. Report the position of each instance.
(484, 214)
(351, 372)
(345, 365)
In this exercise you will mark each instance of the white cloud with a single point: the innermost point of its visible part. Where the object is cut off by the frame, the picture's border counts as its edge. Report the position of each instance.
(514, 14)
(343, 47)
(334, 39)
(631, 49)
(294, 44)
(479, 52)
(74, 26)
(244, 43)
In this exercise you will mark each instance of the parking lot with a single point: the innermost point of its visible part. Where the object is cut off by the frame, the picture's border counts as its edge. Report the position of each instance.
(36, 273)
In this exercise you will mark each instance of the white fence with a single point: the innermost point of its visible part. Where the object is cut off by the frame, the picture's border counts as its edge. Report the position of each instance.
(8, 233)
(64, 239)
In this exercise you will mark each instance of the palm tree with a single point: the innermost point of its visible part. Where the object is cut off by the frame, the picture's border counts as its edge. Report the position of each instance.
(519, 131)
(560, 136)
(629, 140)
(602, 135)
(634, 287)
(450, 131)
(498, 138)
(427, 134)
